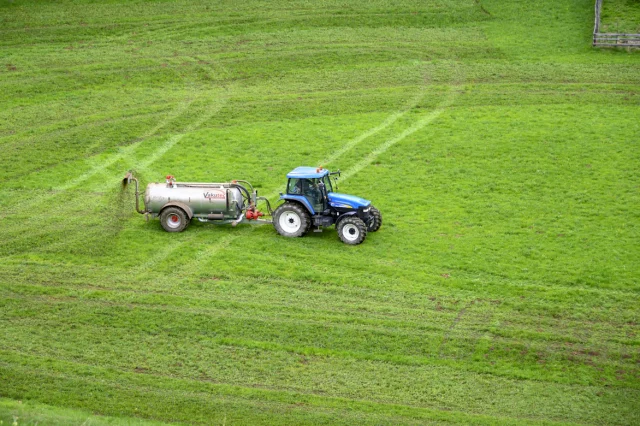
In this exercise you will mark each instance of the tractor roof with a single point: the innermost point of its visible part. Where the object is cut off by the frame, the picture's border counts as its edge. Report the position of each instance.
(307, 173)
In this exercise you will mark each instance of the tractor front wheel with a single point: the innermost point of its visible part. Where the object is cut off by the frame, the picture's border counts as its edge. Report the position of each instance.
(352, 230)
(376, 223)
(291, 220)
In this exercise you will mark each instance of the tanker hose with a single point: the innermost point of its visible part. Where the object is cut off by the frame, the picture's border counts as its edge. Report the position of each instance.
(251, 199)
(268, 205)
(244, 181)
(242, 188)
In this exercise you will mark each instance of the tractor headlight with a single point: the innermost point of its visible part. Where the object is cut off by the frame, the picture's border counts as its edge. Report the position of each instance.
(367, 210)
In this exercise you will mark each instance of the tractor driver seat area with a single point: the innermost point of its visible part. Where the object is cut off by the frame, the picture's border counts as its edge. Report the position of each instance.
(310, 189)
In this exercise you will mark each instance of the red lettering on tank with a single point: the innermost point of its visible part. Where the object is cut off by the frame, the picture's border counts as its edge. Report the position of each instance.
(215, 195)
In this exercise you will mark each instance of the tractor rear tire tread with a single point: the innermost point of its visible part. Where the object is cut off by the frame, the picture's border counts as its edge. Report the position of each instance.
(300, 211)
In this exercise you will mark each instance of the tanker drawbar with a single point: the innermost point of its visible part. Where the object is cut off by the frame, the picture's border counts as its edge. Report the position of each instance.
(177, 203)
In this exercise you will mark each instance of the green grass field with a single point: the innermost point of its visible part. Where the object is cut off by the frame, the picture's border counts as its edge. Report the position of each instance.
(502, 150)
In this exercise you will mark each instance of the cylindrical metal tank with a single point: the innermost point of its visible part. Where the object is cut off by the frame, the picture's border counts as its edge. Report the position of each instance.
(214, 201)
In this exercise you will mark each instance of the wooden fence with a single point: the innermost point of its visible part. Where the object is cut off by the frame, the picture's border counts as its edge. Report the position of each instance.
(612, 39)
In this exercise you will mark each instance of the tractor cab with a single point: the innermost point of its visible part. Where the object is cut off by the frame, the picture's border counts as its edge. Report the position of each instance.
(310, 186)
(310, 200)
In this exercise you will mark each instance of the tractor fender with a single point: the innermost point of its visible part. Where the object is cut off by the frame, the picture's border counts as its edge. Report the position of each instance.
(299, 199)
(178, 204)
(344, 215)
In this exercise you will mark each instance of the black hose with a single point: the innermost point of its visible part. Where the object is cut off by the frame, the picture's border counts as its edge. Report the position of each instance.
(242, 188)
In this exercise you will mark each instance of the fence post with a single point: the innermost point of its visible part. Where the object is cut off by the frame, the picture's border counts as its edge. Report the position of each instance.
(596, 25)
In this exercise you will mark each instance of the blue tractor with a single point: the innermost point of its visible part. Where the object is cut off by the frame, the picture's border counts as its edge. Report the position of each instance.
(310, 202)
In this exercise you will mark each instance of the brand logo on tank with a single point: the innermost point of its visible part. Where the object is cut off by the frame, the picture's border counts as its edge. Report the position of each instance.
(214, 195)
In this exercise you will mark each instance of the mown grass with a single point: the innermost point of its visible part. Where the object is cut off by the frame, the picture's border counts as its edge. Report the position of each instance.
(30, 413)
(620, 16)
(501, 148)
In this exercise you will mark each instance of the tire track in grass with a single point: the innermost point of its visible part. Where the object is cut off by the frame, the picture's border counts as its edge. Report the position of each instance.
(419, 125)
(224, 94)
(176, 112)
(211, 250)
(172, 141)
(386, 123)
(457, 77)
(128, 150)
(447, 332)
(139, 271)
(24, 138)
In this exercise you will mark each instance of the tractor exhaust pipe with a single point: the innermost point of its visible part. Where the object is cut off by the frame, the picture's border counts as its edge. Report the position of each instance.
(127, 180)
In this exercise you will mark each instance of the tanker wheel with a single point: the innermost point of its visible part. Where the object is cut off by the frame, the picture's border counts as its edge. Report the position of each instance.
(291, 220)
(352, 230)
(174, 219)
(376, 223)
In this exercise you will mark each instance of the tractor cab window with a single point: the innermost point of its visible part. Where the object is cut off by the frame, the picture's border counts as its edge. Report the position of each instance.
(296, 186)
(327, 184)
(310, 189)
(302, 186)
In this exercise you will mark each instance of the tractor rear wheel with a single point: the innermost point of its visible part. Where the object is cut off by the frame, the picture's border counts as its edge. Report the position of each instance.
(376, 223)
(174, 219)
(291, 220)
(352, 230)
